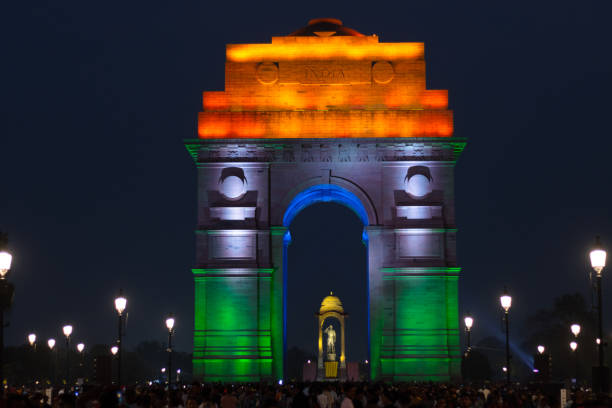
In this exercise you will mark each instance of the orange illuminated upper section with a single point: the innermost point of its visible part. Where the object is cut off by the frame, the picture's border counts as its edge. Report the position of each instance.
(325, 80)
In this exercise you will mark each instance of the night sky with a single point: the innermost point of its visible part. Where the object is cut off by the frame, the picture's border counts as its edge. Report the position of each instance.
(99, 193)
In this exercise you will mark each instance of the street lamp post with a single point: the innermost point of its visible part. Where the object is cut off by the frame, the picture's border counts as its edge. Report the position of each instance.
(598, 262)
(506, 302)
(51, 344)
(7, 290)
(120, 305)
(32, 340)
(80, 347)
(469, 321)
(574, 347)
(170, 327)
(67, 329)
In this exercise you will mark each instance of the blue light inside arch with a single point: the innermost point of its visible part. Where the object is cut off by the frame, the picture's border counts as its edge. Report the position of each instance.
(325, 193)
(321, 193)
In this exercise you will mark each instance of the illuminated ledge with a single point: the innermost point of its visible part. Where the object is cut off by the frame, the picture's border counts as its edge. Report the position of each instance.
(232, 213)
(319, 48)
(326, 124)
(421, 272)
(265, 273)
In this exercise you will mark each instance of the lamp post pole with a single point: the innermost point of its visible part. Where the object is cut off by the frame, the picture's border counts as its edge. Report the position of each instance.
(120, 305)
(600, 374)
(7, 290)
(67, 329)
(506, 303)
(51, 344)
(469, 321)
(170, 327)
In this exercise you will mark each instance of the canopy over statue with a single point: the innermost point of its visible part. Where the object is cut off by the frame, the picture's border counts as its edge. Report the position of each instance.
(328, 365)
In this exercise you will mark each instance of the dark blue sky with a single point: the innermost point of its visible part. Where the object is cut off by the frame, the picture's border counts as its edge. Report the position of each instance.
(98, 191)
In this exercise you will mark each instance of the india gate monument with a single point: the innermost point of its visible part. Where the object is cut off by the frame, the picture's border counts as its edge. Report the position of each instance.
(325, 114)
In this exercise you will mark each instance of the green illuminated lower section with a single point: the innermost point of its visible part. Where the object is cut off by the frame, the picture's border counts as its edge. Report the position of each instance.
(232, 336)
(238, 333)
(420, 328)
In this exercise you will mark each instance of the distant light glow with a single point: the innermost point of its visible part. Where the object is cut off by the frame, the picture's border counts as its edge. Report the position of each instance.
(535, 370)
(575, 329)
(469, 321)
(598, 340)
(80, 347)
(163, 370)
(114, 350)
(280, 382)
(504, 369)
(541, 349)
(51, 343)
(67, 329)
(32, 339)
(573, 345)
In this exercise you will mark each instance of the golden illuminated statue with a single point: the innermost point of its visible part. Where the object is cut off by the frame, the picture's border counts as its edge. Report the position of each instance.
(328, 365)
(331, 341)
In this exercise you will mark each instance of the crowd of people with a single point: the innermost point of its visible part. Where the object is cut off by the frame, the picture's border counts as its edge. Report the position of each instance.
(306, 395)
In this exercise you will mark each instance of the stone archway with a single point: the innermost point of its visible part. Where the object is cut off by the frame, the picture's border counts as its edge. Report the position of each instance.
(362, 124)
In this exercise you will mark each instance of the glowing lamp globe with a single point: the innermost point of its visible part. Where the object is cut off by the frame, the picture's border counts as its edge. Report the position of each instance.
(504, 369)
(506, 301)
(67, 329)
(120, 304)
(469, 321)
(541, 349)
(573, 345)
(170, 323)
(5, 263)
(163, 370)
(114, 350)
(32, 339)
(80, 347)
(575, 329)
(51, 343)
(598, 257)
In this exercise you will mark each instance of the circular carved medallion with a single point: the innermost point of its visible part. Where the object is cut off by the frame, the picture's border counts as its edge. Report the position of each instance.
(232, 187)
(382, 72)
(418, 185)
(267, 73)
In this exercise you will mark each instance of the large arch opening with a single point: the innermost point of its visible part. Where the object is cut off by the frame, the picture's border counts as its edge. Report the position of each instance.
(325, 249)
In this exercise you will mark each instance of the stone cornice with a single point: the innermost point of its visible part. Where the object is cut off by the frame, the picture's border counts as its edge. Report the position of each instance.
(337, 150)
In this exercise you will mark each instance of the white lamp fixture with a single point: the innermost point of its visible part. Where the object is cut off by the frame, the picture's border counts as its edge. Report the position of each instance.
(170, 323)
(80, 347)
(505, 300)
(573, 345)
(114, 350)
(32, 339)
(598, 257)
(67, 329)
(120, 304)
(575, 329)
(5, 263)
(541, 349)
(51, 343)
(469, 321)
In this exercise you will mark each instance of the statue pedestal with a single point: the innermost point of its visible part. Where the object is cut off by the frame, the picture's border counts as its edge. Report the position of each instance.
(331, 369)
(331, 357)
